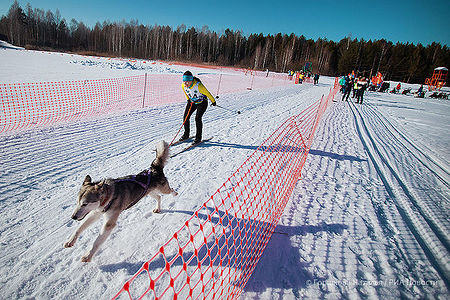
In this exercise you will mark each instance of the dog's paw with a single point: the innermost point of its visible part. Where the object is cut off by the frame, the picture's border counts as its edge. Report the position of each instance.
(69, 244)
(157, 211)
(86, 258)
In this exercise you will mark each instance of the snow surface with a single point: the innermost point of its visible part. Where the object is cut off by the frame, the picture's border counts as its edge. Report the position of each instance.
(369, 219)
(7, 45)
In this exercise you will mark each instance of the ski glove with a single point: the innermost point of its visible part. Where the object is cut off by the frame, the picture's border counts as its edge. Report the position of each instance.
(213, 103)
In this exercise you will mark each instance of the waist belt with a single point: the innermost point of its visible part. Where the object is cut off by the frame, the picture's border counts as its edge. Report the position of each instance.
(198, 100)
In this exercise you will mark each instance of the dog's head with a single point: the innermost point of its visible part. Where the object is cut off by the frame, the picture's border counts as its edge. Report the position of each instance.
(90, 197)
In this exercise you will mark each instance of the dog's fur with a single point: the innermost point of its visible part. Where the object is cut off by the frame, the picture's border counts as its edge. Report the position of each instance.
(110, 197)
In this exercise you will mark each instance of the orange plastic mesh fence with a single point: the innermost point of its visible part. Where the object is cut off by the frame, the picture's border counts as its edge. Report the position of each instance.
(216, 250)
(28, 105)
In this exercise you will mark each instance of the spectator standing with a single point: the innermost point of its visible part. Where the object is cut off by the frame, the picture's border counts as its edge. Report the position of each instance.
(316, 78)
(362, 86)
(347, 88)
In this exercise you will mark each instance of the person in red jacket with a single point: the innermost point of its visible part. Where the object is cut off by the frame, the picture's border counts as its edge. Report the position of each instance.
(197, 97)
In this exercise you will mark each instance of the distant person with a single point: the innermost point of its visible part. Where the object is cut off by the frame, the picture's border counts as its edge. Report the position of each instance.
(316, 78)
(420, 93)
(301, 77)
(342, 84)
(347, 88)
(362, 86)
(196, 94)
(290, 74)
(384, 87)
(420, 90)
(355, 87)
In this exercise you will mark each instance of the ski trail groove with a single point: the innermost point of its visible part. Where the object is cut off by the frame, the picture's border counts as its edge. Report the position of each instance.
(437, 168)
(436, 246)
(435, 217)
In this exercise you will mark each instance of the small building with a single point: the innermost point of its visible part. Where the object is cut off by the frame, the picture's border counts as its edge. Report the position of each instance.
(438, 80)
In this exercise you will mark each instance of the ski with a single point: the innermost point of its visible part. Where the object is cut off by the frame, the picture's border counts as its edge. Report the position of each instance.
(183, 141)
(190, 147)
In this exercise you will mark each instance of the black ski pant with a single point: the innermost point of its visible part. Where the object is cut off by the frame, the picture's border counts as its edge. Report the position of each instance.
(200, 108)
(346, 94)
(360, 96)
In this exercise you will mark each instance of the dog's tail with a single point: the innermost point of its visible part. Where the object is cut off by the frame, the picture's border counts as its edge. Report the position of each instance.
(162, 155)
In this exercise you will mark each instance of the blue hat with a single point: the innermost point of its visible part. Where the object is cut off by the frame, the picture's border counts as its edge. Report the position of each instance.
(188, 77)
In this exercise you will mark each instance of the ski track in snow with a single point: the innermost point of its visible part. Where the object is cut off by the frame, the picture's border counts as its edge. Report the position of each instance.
(422, 207)
(369, 219)
(347, 233)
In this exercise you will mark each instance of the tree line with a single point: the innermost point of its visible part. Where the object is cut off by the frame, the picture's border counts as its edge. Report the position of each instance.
(39, 29)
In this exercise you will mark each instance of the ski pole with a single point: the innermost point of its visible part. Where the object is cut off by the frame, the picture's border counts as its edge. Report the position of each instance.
(218, 87)
(237, 112)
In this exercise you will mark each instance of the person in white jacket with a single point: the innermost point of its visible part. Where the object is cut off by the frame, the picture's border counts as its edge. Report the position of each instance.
(362, 86)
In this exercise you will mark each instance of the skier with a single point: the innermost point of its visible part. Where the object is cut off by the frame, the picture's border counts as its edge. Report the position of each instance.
(196, 94)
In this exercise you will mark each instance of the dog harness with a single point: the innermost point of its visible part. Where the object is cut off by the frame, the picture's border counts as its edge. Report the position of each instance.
(142, 179)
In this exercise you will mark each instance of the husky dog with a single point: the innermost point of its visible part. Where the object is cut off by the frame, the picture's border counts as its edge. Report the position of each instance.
(109, 197)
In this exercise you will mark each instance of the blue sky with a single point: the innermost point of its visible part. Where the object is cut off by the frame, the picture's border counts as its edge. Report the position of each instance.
(404, 21)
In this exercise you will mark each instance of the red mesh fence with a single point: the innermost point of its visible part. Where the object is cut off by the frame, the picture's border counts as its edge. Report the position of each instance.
(27, 105)
(216, 250)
